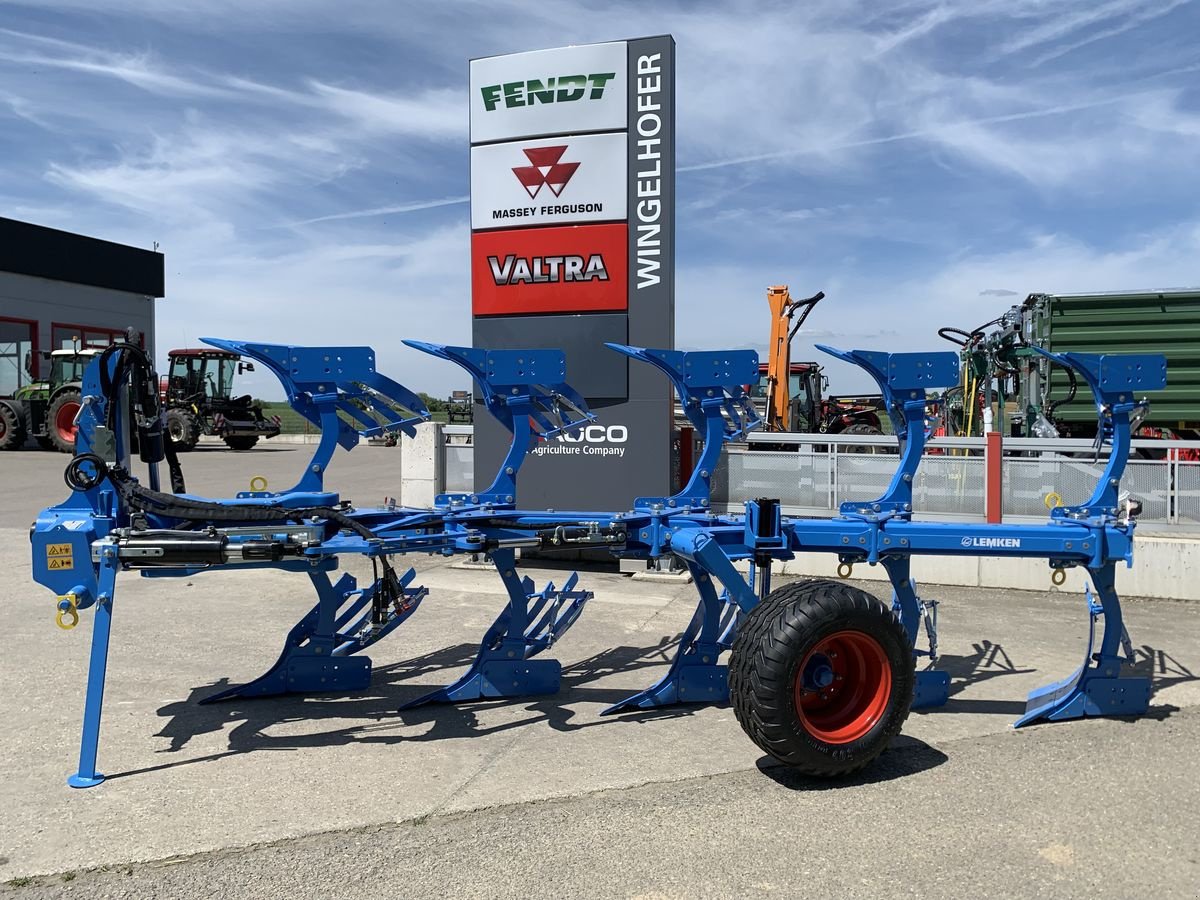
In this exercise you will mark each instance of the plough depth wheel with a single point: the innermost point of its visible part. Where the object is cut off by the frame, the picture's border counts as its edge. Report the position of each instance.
(821, 676)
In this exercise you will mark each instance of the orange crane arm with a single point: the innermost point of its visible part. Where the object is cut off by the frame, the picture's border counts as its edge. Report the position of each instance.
(779, 358)
(779, 352)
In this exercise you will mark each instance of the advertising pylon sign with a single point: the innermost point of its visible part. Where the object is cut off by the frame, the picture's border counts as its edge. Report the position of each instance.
(572, 245)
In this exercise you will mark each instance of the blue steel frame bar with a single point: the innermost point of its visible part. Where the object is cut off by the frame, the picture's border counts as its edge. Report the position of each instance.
(526, 390)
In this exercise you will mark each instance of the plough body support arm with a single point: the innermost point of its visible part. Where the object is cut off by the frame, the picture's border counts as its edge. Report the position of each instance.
(527, 392)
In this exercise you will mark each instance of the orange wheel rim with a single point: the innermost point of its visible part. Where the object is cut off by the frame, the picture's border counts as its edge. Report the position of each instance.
(842, 687)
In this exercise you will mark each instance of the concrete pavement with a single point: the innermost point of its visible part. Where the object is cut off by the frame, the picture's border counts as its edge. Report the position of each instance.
(537, 796)
(1052, 813)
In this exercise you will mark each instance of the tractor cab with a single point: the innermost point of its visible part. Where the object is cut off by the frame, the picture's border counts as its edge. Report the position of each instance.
(202, 375)
(66, 366)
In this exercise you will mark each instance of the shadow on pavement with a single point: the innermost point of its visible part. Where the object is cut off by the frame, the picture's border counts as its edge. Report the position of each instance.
(989, 660)
(986, 661)
(374, 717)
(904, 756)
(1164, 669)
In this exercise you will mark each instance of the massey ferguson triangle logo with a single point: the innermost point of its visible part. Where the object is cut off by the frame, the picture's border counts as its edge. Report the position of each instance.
(545, 169)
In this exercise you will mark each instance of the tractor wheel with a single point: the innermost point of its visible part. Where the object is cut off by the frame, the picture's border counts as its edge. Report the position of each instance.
(821, 677)
(60, 420)
(864, 428)
(12, 428)
(241, 441)
(182, 429)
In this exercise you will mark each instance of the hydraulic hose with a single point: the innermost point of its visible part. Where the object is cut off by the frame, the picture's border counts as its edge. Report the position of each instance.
(171, 506)
(134, 364)
(1072, 387)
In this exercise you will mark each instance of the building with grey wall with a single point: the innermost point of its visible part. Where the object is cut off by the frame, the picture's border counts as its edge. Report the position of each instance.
(59, 288)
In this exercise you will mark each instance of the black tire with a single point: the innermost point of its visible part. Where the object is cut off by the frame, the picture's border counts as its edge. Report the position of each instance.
(241, 441)
(182, 429)
(12, 428)
(792, 642)
(60, 419)
(864, 428)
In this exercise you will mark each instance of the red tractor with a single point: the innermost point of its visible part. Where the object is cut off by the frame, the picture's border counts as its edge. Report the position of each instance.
(797, 402)
(810, 411)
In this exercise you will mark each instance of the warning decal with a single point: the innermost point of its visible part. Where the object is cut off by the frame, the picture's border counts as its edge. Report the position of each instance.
(59, 556)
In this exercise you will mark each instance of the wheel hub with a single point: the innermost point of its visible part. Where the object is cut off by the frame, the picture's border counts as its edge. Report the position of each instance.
(842, 687)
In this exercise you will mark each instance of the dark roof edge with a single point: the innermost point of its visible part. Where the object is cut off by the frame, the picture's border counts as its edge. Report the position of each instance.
(28, 249)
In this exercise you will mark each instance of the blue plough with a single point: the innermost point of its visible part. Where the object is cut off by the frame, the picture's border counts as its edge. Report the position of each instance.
(820, 675)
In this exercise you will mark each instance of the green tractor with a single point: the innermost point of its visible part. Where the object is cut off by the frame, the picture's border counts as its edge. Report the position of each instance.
(47, 409)
(198, 396)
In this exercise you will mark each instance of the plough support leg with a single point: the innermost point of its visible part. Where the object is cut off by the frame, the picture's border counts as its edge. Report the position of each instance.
(93, 705)
(1097, 688)
(695, 675)
(530, 623)
(931, 686)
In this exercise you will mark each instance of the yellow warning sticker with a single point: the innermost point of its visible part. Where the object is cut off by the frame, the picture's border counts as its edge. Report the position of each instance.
(59, 556)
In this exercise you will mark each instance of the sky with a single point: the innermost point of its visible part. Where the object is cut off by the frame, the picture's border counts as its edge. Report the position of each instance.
(303, 165)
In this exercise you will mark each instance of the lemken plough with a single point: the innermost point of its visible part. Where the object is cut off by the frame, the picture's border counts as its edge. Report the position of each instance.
(820, 674)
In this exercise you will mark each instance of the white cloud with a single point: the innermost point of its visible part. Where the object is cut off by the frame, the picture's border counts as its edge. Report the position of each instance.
(436, 113)
(903, 156)
(329, 293)
(200, 170)
(414, 206)
(138, 69)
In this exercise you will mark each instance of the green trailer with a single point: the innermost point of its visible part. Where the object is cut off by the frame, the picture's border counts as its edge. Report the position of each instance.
(1007, 385)
(1166, 322)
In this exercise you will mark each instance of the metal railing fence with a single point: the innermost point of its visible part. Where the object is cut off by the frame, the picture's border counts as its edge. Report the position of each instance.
(813, 474)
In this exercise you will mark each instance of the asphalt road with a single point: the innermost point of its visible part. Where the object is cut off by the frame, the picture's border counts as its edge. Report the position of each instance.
(1057, 812)
(343, 796)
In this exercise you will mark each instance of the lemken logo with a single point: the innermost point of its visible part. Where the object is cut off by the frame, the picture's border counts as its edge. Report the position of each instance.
(992, 542)
(560, 89)
(547, 269)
